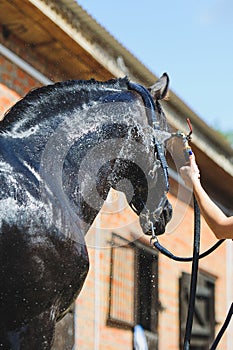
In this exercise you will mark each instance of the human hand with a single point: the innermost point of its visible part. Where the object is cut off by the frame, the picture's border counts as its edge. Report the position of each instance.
(190, 173)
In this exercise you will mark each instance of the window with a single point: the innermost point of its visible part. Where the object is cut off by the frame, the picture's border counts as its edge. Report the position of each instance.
(146, 303)
(134, 287)
(121, 307)
(204, 314)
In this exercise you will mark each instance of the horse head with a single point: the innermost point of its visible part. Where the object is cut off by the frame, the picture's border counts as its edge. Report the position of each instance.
(120, 145)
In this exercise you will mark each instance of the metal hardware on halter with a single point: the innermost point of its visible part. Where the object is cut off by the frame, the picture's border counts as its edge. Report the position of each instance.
(153, 235)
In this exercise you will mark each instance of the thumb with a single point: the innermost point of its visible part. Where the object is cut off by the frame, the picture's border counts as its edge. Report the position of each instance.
(193, 164)
(192, 160)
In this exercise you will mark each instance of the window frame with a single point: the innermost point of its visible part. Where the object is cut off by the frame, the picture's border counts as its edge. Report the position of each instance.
(203, 329)
(138, 247)
(155, 307)
(112, 321)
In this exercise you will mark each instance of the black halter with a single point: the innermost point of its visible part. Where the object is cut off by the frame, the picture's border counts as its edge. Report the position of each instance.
(153, 121)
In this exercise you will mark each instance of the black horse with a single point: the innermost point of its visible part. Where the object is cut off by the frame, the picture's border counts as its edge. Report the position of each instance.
(62, 148)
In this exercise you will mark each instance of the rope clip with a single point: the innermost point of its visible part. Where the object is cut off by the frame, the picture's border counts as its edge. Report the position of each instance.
(153, 235)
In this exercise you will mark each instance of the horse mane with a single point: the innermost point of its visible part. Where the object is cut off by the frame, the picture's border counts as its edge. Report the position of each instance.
(65, 96)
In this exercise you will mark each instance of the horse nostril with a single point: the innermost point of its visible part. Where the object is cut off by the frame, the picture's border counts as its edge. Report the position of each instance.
(159, 229)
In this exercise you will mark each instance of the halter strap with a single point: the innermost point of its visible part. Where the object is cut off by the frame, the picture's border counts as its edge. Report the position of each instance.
(152, 120)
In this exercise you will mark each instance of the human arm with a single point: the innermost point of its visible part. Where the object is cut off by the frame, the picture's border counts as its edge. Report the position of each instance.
(219, 223)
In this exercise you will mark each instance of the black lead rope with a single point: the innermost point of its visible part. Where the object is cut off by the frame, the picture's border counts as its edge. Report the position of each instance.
(166, 252)
(194, 274)
(222, 330)
(193, 284)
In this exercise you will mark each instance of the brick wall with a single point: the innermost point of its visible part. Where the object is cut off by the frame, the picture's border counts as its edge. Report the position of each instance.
(7, 98)
(14, 84)
(15, 78)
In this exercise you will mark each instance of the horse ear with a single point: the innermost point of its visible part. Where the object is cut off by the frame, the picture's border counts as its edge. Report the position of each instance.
(159, 89)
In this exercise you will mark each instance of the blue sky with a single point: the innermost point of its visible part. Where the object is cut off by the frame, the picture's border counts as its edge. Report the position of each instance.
(190, 40)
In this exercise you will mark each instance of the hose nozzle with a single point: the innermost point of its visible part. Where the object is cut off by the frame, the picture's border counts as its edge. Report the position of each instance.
(186, 138)
(187, 149)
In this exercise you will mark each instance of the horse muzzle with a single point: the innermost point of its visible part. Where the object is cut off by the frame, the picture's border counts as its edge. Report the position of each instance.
(149, 221)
